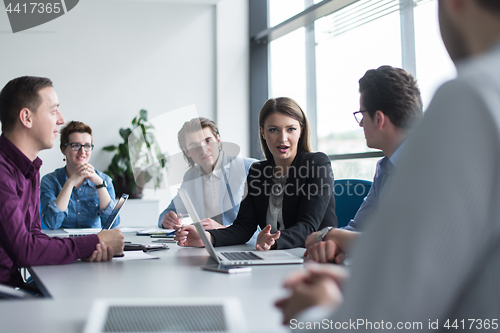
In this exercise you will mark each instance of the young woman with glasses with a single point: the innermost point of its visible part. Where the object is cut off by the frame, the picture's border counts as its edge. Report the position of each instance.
(77, 195)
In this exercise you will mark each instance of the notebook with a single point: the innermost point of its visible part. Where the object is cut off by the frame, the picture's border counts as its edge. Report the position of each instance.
(187, 315)
(237, 258)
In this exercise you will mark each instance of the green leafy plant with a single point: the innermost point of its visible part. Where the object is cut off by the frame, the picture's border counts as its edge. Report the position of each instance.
(138, 159)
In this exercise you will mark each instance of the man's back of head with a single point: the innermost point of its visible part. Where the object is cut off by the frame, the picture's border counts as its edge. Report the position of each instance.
(394, 92)
(431, 256)
(432, 251)
(391, 98)
(469, 27)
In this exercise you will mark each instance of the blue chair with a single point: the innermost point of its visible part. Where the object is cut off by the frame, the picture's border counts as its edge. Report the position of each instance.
(349, 195)
(41, 220)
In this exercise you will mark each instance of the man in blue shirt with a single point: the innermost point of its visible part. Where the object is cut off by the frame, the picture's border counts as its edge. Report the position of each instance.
(431, 254)
(390, 107)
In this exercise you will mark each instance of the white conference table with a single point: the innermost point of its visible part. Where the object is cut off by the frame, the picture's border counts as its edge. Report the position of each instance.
(177, 273)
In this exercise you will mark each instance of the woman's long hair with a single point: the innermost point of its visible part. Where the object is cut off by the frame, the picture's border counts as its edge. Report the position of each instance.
(290, 108)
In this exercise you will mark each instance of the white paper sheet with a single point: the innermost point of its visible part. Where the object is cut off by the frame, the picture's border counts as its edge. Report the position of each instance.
(83, 231)
(134, 255)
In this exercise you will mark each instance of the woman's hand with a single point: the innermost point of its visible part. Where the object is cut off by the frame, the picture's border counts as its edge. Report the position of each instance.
(78, 177)
(186, 235)
(210, 224)
(82, 172)
(92, 175)
(265, 240)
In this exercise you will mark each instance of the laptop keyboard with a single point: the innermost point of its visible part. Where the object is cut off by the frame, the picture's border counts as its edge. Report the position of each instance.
(241, 256)
(166, 318)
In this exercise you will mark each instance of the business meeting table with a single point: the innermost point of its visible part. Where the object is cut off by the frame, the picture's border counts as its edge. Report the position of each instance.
(177, 273)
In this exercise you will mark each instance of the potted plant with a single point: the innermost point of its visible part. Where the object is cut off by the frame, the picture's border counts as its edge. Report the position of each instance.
(138, 159)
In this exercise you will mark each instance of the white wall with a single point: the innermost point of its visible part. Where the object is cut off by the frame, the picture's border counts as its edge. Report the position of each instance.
(233, 86)
(108, 59)
(107, 64)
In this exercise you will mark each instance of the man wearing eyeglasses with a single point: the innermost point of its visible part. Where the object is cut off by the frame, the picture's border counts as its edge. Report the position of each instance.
(77, 195)
(390, 108)
(30, 117)
(430, 259)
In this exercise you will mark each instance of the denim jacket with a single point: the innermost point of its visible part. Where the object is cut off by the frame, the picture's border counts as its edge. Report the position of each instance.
(83, 209)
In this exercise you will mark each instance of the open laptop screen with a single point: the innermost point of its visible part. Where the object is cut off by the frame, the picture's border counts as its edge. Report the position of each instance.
(112, 217)
(197, 224)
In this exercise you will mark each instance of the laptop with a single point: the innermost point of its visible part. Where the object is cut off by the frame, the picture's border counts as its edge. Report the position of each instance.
(237, 258)
(112, 217)
(88, 231)
(8, 292)
(187, 315)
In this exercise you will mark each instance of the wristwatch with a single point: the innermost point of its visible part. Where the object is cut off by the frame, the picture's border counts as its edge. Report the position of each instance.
(322, 233)
(102, 185)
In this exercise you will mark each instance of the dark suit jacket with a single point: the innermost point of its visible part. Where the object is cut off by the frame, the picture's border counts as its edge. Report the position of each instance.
(308, 203)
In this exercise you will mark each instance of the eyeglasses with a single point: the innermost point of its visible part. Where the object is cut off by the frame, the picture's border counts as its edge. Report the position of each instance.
(358, 115)
(77, 146)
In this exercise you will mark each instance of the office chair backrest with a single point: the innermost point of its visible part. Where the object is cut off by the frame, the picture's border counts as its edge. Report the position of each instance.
(349, 195)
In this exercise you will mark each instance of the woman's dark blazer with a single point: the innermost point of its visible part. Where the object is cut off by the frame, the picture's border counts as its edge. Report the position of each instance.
(308, 202)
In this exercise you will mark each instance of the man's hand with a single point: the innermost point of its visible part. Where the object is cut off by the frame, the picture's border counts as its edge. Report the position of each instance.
(101, 253)
(171, 220)
(312, 239)
(112, 238)
(186, 235)
(316, 286)
(210, 224)
(334, 246)
(265, 240)
(326, 251)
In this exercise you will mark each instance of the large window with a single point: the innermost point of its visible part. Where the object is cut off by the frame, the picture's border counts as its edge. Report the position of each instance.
(287, 68)
(434, 66)
(343, 54)
(318, 50)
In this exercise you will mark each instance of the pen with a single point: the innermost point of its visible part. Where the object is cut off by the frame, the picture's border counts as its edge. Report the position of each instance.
(181, 217)
(163, 240)
(170, 233)
(161, 236)
(173, 232)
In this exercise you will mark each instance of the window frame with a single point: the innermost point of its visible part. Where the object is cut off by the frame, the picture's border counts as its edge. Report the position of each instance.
(261, 35)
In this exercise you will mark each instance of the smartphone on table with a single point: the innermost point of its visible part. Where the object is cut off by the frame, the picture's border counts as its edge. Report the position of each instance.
(227, 269)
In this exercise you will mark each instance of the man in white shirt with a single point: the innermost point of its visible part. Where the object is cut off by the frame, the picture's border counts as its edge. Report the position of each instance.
(430, 260)
(215, 180)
